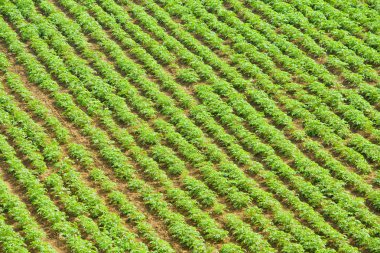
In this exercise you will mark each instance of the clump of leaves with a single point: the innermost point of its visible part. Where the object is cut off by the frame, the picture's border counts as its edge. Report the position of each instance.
(187, 76)
(376, 180)
(4, 64)
(231, 248)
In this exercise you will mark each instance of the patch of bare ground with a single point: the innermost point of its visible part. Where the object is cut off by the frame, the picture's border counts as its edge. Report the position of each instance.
(371, 178)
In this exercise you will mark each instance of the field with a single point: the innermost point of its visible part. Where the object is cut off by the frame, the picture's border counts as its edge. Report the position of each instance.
(189, 126)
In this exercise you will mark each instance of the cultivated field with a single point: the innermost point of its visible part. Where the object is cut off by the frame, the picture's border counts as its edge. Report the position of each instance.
(189, 126)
